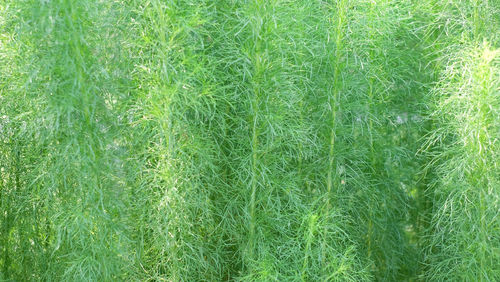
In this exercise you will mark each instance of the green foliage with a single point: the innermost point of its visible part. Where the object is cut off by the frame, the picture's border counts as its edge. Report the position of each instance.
(463, 243)
(459, 234)
(63, 153)
(249, 140)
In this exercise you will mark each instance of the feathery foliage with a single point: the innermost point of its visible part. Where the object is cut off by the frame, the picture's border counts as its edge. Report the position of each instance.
(460, 240)
(249, 140)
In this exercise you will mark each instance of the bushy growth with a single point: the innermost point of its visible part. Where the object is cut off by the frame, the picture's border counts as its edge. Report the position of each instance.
(249, 140)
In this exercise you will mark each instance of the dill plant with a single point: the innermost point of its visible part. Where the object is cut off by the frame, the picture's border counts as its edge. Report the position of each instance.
(253, 140)
(335, 255)
(465, 157)
(362, 180)
(460, 240)
(71, 205)
(173, 134)
(386, 121)
(262, 103)
(465, 160)
(11, 146)
(275, 166)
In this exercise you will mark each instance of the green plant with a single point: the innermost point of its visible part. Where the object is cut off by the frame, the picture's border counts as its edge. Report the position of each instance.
(249, 140)
(465, 160)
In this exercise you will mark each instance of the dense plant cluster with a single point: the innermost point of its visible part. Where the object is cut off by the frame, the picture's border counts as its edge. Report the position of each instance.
(250, 140)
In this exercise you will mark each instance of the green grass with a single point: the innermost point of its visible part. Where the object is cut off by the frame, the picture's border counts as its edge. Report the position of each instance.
(249, 140)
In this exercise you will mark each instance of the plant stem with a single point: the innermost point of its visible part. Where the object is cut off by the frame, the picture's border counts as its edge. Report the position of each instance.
(334, 104)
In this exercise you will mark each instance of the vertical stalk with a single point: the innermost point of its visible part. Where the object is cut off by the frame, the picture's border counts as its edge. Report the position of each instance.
(255, 109)
(257, 58)
(161, 29)
(370, 127)
(309, 239)
(255, 104)
(334, 104)
(484, 240)
(334, 95)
